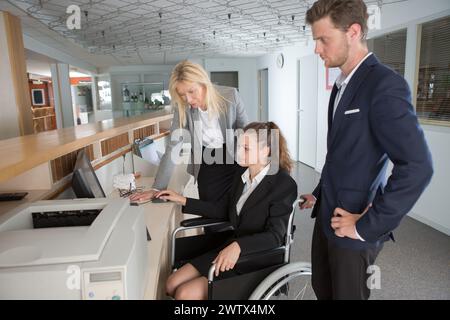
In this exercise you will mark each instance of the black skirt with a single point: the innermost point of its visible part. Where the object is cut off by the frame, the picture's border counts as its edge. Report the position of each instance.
(215, 179)
(203, 262)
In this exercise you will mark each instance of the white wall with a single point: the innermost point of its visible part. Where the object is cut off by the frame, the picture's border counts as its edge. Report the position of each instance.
(248, 84)
(402, 13)
(283, 90)
(432, 208)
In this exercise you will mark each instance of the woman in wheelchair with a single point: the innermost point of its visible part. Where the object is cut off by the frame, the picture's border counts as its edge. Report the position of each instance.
(258, 206)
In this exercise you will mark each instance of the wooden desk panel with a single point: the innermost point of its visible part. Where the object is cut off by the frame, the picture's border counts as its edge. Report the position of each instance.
(21, 154)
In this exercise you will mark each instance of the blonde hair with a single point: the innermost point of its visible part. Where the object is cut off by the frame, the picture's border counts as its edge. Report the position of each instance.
(187, 71)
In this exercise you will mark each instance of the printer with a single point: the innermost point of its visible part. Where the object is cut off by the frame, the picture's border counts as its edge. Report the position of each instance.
(107, 258)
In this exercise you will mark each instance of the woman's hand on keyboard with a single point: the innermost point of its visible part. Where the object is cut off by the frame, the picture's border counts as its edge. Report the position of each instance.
(171, 196)
(143, 196)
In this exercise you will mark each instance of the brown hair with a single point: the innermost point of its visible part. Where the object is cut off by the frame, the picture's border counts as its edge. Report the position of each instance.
(343, 13)
(285, 160)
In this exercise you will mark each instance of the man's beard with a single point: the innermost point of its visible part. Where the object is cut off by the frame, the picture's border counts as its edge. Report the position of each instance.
(342, 59)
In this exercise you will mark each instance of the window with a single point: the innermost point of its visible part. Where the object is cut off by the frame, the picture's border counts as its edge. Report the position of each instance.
(433, 90)
(391, 50)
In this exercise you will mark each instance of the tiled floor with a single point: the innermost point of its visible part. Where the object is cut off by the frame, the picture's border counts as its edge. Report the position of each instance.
(416, 266)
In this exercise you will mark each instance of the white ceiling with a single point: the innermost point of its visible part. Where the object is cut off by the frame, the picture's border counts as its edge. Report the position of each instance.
(123, 32)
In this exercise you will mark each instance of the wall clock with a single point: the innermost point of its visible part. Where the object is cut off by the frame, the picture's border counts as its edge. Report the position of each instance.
(280, 60)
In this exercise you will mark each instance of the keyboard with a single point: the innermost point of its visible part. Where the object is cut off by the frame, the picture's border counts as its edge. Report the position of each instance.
(58, 219)
(12, 196)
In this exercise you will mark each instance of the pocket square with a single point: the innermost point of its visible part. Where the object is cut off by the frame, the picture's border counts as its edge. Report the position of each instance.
(352, 111)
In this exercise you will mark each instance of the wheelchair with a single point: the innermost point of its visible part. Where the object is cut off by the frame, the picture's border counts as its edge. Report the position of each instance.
(265, 275)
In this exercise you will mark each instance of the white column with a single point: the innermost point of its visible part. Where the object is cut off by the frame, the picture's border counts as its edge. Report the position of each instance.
(412, 58)
(95, 101)
(63, 95)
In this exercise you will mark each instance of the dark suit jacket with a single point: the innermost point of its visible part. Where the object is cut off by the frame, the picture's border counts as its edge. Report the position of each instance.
(359, 147)
(262, 222)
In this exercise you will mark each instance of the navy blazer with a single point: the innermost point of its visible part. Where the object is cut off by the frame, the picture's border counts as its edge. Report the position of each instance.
(263, 220)
(374, 122)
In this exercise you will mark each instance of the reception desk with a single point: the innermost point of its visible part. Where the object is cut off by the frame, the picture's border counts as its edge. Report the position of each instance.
(161, 220)
(41, 164)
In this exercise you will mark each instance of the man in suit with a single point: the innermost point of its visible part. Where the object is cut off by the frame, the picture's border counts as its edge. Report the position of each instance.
(371, 120)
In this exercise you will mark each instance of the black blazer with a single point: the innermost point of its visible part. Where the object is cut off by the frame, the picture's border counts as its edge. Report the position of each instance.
(262, 222)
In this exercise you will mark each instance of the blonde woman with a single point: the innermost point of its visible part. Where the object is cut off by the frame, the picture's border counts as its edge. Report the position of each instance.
(205, 111)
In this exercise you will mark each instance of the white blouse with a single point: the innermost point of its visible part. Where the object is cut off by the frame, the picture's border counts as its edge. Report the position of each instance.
(212, 136)
(250, 186)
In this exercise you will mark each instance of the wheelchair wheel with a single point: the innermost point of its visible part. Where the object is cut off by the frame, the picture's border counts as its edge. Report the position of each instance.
(290, 282)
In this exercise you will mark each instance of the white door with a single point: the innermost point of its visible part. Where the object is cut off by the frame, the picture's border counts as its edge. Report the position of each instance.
(263, 96)
(307, 110)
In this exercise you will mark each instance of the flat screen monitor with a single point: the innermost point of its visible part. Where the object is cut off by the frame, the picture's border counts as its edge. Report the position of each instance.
(147, 150)
(85, 183)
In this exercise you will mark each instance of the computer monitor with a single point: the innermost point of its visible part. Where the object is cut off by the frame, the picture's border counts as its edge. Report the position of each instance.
(147, 150)
(85, 183)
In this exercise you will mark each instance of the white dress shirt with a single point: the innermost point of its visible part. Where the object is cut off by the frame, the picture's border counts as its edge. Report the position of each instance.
(341, 82)
(212, 136)
(250, 186)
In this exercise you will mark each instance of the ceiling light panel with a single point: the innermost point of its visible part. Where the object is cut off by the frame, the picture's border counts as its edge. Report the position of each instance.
(204, 27)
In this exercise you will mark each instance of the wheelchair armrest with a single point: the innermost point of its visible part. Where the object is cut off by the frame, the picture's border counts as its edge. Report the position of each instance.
(201, 222)
(194, 223)
(248, 258)
(253, 256)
